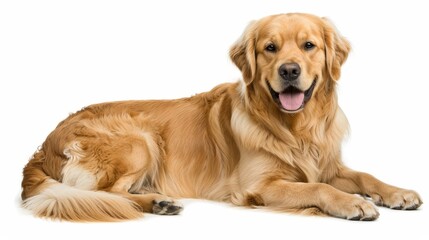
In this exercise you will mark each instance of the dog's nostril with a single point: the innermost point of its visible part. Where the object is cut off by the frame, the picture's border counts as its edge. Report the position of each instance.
(289, 71)
(295, 72)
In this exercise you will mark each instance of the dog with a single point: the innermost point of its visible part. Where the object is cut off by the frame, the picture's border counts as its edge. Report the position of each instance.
(271, 140)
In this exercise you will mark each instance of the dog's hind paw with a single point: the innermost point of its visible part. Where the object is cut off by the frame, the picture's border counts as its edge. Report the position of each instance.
(166, 207)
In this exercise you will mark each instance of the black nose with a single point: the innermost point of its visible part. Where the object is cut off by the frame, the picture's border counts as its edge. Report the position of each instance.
(289, 71)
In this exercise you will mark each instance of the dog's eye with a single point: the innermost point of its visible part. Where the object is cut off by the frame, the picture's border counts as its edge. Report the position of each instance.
(308, 45)
(271, 47)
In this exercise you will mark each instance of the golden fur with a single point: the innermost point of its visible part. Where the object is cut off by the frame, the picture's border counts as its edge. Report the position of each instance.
(235, 143)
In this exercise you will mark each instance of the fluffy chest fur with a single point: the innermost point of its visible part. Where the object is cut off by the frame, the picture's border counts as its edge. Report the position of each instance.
(312, 155)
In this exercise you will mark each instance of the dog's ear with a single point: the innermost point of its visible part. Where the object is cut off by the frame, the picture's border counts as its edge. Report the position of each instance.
(242, 53)
(337, 49)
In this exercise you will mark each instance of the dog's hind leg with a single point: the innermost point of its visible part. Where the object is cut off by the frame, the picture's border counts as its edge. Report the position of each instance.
(148, 202)
(155, 203)
(140, 167)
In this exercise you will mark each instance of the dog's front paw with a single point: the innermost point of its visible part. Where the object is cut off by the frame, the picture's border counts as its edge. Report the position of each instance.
(354, 208)
(399, 199)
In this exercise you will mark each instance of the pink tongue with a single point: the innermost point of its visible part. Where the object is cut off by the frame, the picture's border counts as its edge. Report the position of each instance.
(291, 101)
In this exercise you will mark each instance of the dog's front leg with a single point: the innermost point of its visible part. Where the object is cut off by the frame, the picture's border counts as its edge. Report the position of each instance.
(281, 194)
(381, 193)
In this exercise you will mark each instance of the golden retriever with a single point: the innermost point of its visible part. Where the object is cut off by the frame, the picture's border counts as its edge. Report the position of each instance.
(271, 140)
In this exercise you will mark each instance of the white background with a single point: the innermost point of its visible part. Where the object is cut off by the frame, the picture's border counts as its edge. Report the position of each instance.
(58, 56)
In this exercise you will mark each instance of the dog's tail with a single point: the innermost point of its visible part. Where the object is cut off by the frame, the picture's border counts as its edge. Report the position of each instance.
(46, 197)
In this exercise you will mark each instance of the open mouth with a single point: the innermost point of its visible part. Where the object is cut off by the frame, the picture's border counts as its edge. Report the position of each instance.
(292, 99)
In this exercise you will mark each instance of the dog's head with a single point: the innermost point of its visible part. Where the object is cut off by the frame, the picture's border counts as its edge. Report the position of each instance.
(291, 57)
